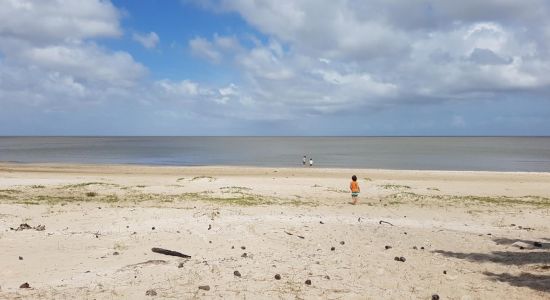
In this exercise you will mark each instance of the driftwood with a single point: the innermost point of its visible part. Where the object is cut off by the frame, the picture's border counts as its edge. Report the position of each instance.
(170, 252)
(302, 237)
(380, 222)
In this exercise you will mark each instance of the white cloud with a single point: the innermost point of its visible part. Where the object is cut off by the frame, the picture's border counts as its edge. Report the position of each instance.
(203, 48)
(148, 40)
(49, 21)
(47, 48)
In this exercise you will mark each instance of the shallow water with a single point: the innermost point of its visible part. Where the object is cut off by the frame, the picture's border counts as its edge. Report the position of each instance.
(418, 153)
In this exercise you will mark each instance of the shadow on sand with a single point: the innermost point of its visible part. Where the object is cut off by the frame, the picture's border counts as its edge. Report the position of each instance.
(538, 257)
(535, 282)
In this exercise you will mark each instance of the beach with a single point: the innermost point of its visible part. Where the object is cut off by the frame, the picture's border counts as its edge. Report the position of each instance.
(413, 234)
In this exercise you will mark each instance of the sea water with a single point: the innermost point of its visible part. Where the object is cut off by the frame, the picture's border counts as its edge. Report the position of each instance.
(413, 153)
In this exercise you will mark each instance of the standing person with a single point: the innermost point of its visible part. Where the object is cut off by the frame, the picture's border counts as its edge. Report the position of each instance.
(354, 187)
(311, 162)
(304, 161)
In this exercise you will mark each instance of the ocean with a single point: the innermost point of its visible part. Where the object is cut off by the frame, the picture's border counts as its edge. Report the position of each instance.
(530, 154)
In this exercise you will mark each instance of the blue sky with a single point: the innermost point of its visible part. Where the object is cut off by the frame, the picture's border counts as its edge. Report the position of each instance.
(266, 67)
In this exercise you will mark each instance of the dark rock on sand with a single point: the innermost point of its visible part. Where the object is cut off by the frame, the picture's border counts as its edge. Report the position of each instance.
(327, 277)
(25, 285)
(332, 248)
(537, 244)
(237, 273)
(153, 228)
(244, 255)
(387, 247)
(435, 297)
(204, 287)
(342, 243)
(209, 226)
(401, 259)
(445, 272)
(20, 257)
(180, 265)
(116, 253)
(243, 247)
(277, 277)
(415, 248)
(151, 292)
(308, 282)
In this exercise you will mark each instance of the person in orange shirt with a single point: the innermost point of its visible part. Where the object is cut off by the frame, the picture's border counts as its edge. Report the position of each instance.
(354, 187)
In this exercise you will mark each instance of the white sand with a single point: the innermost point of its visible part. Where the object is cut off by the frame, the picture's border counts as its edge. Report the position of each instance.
(462, 219)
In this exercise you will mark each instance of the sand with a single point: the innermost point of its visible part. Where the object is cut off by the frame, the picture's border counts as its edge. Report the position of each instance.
(464, 235)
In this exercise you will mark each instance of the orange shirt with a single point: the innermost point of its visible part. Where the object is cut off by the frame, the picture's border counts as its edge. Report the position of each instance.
(354, 187)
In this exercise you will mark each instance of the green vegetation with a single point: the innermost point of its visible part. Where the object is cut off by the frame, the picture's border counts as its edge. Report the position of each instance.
(86, 184)
(403, 197)
(331, 189)
(10, 191)
(395, 187)
(210, 178)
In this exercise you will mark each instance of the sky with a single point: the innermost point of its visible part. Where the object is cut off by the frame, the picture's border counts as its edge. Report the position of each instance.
(275, 67)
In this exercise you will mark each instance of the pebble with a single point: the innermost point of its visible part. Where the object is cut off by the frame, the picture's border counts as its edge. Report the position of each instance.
(342, 243)
(327, 277)
(444, 272)
(25, 285)
(387, 247)
(421, 248)
(415, 248)
(537, 244)
(20, 257)
(332, 248)
(277, 277)
(321, 222)
(180, 265)
(204, 287)
(435, 297)
(209, 226)
(151, 292)
(402, 259)
(116, 253)
(243, 247)
(232, 247)
(244, 255)
(237, 273)
(153, 228)
(308, 282)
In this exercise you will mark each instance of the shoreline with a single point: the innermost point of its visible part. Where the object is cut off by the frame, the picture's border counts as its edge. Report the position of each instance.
(68, 165)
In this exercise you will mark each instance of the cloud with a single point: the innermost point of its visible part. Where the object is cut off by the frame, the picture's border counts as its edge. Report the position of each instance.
(148, 40)
(205, 49)
(51, 21)
(48, 51)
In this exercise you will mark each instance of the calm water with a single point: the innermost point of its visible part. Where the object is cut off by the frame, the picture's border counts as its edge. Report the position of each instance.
(422, 153)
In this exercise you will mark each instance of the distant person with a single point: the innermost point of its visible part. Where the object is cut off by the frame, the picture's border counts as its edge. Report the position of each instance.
(304, 161)
(354, 187)
(311, 162)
